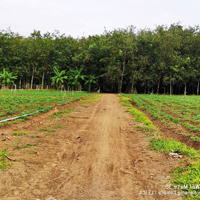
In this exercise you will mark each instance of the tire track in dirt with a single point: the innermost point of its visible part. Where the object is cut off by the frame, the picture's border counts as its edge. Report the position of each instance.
(97, 154)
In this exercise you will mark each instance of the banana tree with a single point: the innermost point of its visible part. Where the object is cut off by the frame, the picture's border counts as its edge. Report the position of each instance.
(58, 79)
(6, 78)
(91, 79)
(75, 77)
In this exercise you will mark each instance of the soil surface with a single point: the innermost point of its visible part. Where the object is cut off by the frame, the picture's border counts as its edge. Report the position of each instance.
(93, 153)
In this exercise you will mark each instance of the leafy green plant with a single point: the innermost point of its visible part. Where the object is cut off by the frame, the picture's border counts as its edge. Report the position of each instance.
(18, 133)
(7, 78)
(168, 145)
(30, 101)
(91, 79)
(189, 177)
(18, 146)
(75, 77)
(59, 77)
(31, 151)
(3, 163)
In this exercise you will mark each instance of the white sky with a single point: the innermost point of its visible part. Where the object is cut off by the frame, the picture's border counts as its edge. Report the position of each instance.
(88, 17)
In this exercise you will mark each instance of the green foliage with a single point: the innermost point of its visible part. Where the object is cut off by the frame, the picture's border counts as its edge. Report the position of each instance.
(95, 96)
(3, 163)
(188, 176)
(75, 77)
(138, 115)
(171, 109)
(85, 101)
(59, 77)
(168, 145)
(30, 101)
(19, 133)
(22, 146)
(6, 78)
(165, 59)
(91, 79)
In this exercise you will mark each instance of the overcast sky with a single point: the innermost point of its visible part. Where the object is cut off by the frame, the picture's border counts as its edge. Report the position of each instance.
(88, 17)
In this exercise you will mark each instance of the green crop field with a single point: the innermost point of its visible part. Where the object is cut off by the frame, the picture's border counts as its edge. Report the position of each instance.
(182, 110)
(179, 115)
(20, 102)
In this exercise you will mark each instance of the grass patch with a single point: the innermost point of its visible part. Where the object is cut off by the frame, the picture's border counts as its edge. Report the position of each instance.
(167, 145)
(16, 121)
(23, 119)
(85, 101)
(19, 133)
(25, 146)
(127, 104)
(125, 99)
(146, 129)
(31, 151)
(60, 113)
(95, 97)
(43, 129)
(138, 116)
(48, 130)
(141, 117)
(51, 130)
(190, 178)
(56, 127)
(3, 163)
(185, 179)
(186, 134)
(195, 138)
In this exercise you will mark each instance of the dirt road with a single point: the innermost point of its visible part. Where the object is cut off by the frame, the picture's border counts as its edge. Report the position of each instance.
(95, 154)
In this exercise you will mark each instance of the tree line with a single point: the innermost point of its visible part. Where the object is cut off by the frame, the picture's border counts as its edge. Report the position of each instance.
(162, 60)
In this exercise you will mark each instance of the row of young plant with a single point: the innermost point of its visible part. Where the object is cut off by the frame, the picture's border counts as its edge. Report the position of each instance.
(191, 102)
(23, 140)
(183, 111)
(163, 116)
(30, 101)
(185, 180)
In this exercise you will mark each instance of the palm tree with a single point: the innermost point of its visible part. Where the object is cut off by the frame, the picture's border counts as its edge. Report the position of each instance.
(91, 79)
(59, 77)
(75, 77)
(7, 78)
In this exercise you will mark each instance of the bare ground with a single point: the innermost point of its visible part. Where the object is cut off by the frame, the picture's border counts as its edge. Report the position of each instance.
(94, 153)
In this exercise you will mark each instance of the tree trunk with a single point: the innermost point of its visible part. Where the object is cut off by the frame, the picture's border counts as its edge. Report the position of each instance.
(3, 87)
(185, 91)
(158, 87)
(43, 80)
(32, 77)
(179, 89)
(170, 87)
(198, 88)
(89, 87)
(145, 89)
(122, 78)
(20, 83)
(132, 89)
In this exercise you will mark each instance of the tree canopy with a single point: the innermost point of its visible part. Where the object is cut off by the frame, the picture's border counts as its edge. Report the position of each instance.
(163, 60)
